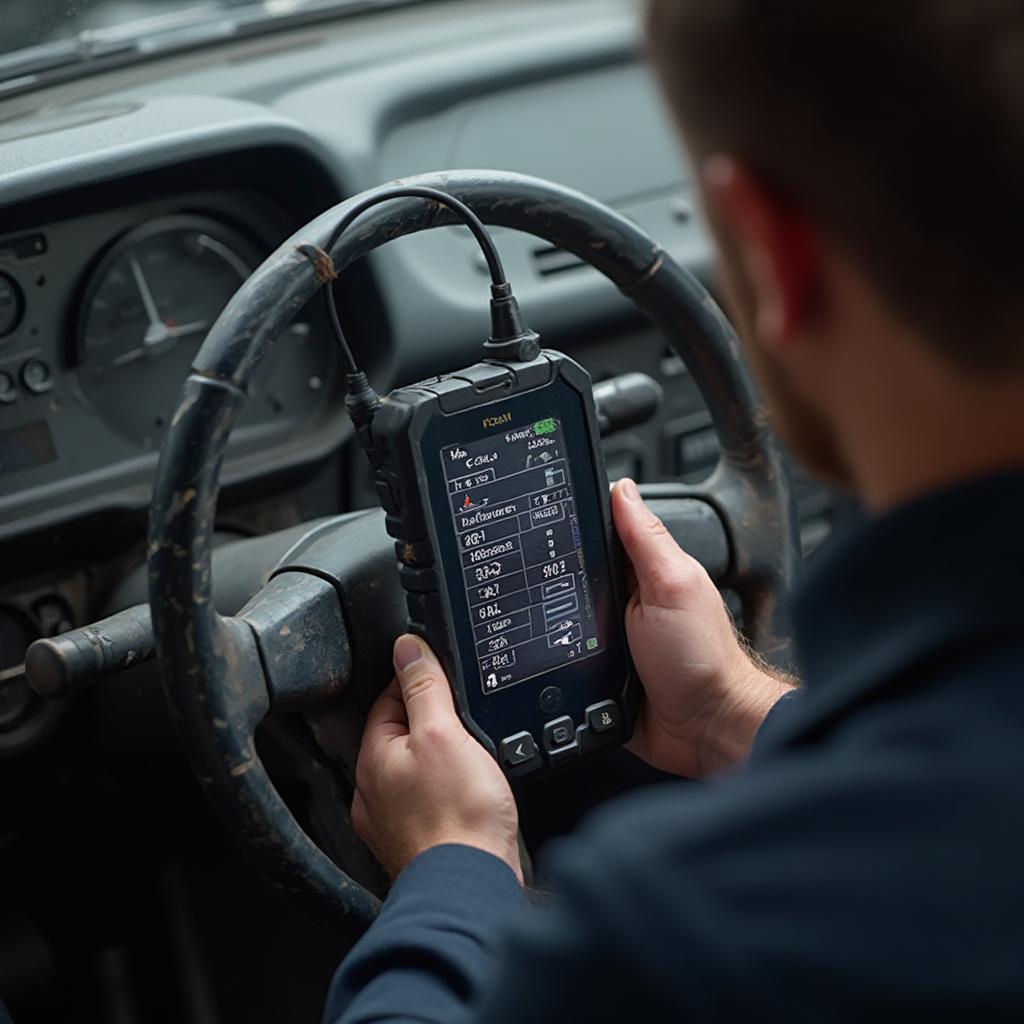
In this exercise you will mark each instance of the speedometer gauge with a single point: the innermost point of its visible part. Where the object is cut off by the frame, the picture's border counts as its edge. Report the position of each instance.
(153, 298)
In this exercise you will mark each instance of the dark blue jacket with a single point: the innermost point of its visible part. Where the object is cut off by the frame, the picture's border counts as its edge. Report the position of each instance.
(867, 865)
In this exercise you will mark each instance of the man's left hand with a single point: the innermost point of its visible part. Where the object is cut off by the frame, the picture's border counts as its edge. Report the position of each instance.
(422, 780)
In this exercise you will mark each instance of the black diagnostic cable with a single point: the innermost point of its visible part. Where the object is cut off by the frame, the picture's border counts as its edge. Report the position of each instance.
(510, 338)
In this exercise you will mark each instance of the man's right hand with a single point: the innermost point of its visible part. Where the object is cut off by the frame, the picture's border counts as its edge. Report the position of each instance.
(705, 697)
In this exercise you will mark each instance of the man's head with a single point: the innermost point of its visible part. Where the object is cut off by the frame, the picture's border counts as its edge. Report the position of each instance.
(863, 170)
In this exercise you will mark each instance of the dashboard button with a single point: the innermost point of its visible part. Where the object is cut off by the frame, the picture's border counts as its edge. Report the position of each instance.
(37, 376)
(519, 754)
(603, 717)
(8, 389)
(682, 209)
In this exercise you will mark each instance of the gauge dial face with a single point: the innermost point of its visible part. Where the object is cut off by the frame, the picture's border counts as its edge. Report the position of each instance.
(153, 299)
(155, 296)
(12, 305)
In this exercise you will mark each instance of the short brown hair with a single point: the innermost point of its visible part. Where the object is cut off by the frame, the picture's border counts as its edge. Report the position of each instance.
(897, 125)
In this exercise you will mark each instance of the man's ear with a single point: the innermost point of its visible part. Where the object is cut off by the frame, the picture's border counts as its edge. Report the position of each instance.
(774, 244)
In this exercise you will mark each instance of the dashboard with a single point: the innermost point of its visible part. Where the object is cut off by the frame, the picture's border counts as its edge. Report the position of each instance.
(133, 203)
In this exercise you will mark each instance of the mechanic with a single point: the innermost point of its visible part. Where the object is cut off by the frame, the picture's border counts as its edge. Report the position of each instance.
(857, 851)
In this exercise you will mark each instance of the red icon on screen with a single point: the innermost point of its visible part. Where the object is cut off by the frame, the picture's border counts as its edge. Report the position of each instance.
(467, 503)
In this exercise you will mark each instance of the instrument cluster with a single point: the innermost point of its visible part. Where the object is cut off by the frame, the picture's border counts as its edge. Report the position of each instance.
(101, 316)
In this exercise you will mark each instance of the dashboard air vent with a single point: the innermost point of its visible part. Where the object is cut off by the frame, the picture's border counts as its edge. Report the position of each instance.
(550, 260)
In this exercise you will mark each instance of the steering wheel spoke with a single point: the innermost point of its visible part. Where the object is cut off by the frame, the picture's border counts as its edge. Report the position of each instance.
(301, 637)
(691, 516)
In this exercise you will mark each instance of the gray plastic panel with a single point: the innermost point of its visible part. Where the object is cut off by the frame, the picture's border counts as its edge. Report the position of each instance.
(126, 139)
(561, 96)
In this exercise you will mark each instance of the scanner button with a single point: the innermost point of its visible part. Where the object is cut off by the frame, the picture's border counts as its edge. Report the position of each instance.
(419, 581)
(551, 700)
(425, 610)
(519, 752)
(417, 605)
(560, 740)
(396, 527)
(387, 498)
(603, 717)
(558, 733)
(587, 741)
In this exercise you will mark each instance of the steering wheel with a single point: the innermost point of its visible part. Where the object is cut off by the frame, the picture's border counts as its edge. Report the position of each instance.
(322, 626)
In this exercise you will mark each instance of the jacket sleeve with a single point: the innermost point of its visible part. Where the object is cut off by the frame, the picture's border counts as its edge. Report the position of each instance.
(784, 712)
(434, 947)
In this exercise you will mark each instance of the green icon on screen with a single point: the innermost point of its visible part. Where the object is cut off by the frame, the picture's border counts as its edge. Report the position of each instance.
(544, 427)
(592, 643)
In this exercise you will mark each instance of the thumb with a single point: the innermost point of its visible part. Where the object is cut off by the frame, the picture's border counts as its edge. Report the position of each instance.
(424, 685)
(665, 574)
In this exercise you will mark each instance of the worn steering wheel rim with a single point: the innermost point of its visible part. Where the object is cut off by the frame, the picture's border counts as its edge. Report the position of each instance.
(212, 674)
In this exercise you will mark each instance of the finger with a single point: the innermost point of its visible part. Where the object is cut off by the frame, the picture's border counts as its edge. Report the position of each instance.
(665, 574)
(424, 686)
(387, 717)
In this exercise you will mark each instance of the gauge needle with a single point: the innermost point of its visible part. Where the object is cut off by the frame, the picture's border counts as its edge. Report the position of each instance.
(158, 333)
(149, 347)
(130, 357)
(183, 330)
(147, 296)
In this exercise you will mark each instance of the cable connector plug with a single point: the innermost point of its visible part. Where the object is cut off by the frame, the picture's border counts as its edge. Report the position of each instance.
(361, 401)
(511, 340)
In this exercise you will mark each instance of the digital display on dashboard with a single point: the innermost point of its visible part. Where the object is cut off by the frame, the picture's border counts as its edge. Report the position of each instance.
(26, 447)
(514, 513)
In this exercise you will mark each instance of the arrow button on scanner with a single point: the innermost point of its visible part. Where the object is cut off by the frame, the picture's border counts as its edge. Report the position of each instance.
(519, 754)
